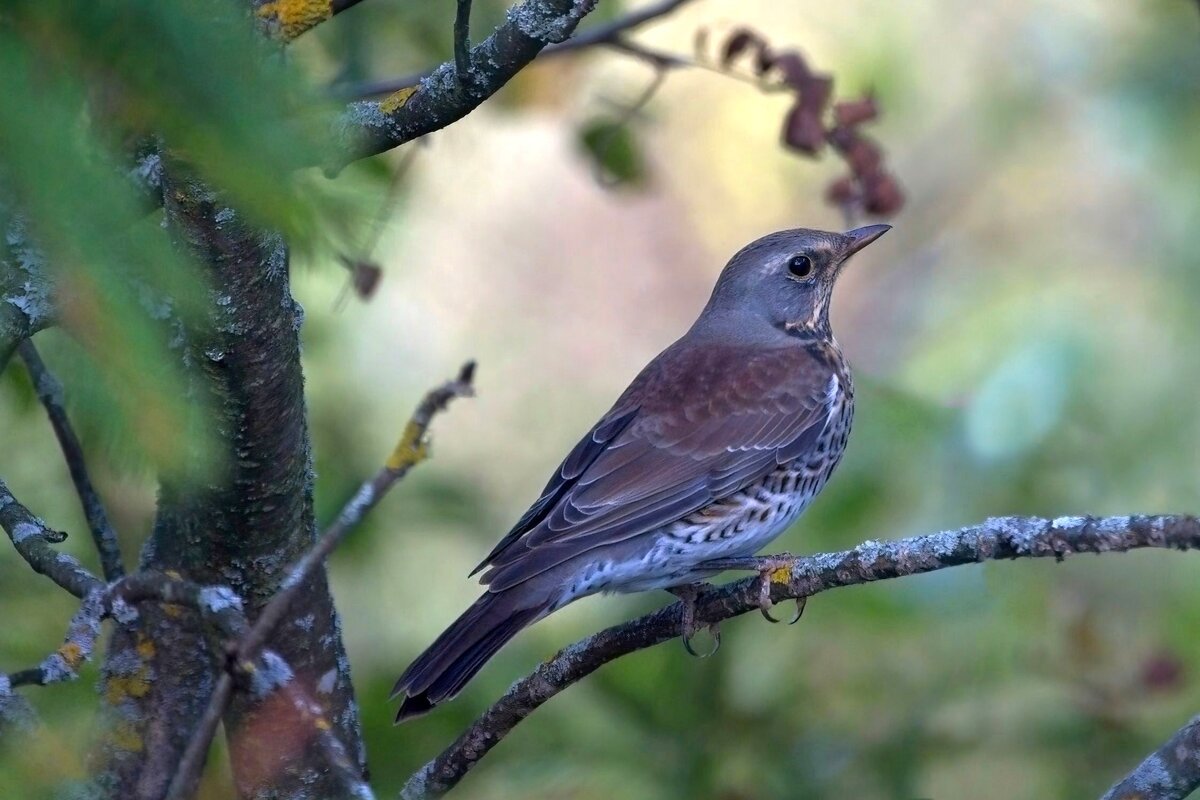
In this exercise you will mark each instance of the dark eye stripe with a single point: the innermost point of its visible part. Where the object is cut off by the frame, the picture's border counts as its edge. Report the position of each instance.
(800, 266)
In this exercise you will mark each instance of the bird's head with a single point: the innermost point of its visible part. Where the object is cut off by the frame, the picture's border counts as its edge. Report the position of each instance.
(787, 278)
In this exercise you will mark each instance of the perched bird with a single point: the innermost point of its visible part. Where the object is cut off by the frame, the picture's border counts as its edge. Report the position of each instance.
(715, 448)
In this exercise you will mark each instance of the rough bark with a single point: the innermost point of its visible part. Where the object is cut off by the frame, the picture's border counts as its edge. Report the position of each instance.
(238, 520)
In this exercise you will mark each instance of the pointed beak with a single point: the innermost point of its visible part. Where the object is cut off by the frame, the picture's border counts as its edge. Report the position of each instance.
(861, 237)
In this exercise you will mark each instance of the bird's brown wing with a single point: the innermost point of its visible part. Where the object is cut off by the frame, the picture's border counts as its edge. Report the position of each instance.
(695, 426)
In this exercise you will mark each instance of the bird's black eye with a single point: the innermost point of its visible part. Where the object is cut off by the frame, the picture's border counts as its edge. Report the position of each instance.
(800, 266)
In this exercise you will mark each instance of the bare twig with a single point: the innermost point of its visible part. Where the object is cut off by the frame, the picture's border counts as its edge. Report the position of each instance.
(191, 763)
(412, 449)
(33, 538)
(609, 33)
(999, 538)
(1172, 772)
(626, 116)
(50, 392)
(462, 41)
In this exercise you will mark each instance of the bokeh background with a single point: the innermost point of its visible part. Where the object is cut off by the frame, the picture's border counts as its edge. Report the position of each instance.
(1024, 342)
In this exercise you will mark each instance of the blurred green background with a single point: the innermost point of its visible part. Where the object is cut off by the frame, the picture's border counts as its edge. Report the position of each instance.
(1024, 342)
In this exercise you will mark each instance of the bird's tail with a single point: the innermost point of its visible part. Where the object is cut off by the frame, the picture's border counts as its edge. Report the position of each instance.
(444, 668)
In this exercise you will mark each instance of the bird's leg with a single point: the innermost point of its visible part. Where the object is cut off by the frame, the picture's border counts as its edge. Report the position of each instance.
(775, 569)
(687, 596)
(772, 569)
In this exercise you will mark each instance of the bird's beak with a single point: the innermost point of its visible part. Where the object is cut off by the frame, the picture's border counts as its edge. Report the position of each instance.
(861, 237)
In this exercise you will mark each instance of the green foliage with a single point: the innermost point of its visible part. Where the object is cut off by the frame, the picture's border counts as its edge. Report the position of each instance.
(613, 149)
(99, 99)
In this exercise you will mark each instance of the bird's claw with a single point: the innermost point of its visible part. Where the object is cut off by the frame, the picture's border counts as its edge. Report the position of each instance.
(687, 596)
(687, 642)
(764, 594)
(801, 602)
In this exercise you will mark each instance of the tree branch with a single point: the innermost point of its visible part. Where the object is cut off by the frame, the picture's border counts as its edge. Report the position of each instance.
(609, 33)
(1172, 772)
(368, 128)
(412, 449)
(50, 392)
(994, 539)
(33, 538)
(77, 647)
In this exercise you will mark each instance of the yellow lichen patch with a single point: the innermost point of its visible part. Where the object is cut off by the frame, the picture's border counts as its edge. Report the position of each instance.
(781, 574)
(72, 654)
(126, 737)
(410, 451)
(396, 100)
(172, 610)
(322, 724)
(145, 648)
(293, 17)
(173, 575)
(118, 689)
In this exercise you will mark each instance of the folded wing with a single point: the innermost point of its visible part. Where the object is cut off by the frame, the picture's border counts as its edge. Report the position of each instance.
(712, 423)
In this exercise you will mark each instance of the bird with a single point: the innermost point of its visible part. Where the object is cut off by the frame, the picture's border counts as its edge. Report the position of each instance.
(714, 449)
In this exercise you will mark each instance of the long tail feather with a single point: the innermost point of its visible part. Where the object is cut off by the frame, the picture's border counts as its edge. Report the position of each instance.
(444, 668)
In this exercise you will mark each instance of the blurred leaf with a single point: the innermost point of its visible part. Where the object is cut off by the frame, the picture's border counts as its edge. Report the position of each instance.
(614, 152)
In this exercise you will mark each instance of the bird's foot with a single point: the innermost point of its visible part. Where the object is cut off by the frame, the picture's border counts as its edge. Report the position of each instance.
(687, 596)
(775, 570)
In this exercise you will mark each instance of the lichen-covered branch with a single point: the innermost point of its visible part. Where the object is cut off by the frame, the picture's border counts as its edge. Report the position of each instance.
(367, 128)
(32, 538)
(804, 576)
(1172, 772)
(50, 392)
(608, 33)
(77, 647)
(412, 448)
(25, 289)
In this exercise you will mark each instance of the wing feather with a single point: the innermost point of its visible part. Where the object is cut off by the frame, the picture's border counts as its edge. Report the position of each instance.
(697, 425)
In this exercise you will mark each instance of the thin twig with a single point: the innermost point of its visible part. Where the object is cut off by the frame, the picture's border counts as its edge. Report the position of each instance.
(1172, 772)
(412, 449)
(33, 538)
(50, 392)
(627, 115)
(191, 763)
(462, 41)
(999, 538)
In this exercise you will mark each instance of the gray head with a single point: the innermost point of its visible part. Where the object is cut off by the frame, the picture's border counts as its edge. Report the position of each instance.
(786, 278)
